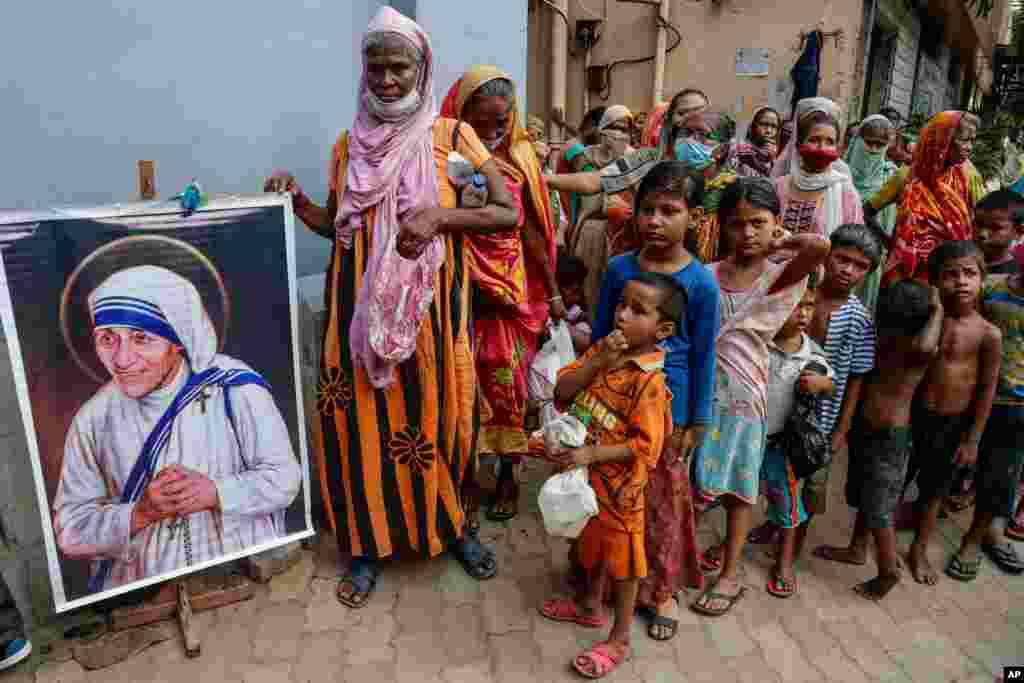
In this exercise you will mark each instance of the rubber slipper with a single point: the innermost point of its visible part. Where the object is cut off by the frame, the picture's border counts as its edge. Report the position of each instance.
(710, 595)
(1004, 556)
(963, 570)
(605, 661)
(362, 576)
(1014, 531)
(567, 611)
(477, 559)
(776, 586)
(710, 564)
(665, 622)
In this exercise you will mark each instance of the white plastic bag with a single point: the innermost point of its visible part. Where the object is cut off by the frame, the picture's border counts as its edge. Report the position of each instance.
(563, 433)
(556, 353)
(567, 502)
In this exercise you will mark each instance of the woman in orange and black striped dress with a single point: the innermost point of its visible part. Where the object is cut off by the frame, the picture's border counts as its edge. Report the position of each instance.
(397, 391)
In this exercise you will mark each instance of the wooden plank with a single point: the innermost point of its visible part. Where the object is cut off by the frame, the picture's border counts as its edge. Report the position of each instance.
(203, 595)
(189, 628)
(147, 179)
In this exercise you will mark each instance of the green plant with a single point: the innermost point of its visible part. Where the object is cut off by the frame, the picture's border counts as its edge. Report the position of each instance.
(988, 154)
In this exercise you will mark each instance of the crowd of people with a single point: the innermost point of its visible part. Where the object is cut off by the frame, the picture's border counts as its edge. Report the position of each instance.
(745, 309)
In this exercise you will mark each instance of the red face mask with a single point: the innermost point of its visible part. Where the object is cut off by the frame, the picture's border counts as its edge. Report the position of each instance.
(817, 159)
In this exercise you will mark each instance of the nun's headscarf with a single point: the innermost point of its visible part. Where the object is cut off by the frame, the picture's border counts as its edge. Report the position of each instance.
(162, 303)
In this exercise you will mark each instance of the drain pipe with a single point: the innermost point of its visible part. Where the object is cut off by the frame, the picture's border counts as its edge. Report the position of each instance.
(559, 60)
(659, 55)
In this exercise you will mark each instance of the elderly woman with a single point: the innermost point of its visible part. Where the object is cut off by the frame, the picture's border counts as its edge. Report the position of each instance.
(870, 169)
(513, 274)
(814, 185)
(936, 195)
(602, 221)
(397, 388)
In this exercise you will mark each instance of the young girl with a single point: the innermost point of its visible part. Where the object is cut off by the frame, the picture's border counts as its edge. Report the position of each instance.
(757, 296)
(663, 214)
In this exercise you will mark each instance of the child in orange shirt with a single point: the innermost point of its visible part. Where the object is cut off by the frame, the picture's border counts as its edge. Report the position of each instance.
(618, 391)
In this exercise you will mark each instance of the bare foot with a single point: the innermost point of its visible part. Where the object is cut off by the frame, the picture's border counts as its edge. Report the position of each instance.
(878, 587)
(920, 567)
(855, 556)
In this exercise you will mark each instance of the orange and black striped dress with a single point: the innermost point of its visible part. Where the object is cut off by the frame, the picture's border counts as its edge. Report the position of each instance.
(392, 461)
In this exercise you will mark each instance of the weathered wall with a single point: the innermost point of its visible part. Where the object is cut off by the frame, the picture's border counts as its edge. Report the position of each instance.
(712, 32)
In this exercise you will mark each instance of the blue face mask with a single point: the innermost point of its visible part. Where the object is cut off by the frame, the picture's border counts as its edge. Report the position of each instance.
(696, 155)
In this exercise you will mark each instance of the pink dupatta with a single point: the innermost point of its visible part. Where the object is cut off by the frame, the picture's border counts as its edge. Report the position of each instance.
(391, 169)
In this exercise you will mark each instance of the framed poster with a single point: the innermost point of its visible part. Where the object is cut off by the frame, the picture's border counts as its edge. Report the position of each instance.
(156, 360)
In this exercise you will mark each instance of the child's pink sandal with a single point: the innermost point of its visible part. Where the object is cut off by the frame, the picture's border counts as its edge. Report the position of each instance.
(604, 659)
(565, 610)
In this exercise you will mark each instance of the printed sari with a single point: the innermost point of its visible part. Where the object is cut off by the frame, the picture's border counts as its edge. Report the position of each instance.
(938, 201)
(510, 306)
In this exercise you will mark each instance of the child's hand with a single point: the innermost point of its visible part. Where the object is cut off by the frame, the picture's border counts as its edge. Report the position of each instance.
(611, 347)
(814, 383)
(966, 454)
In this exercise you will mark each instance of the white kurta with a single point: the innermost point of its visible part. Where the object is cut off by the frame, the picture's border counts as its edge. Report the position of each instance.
(250, 460)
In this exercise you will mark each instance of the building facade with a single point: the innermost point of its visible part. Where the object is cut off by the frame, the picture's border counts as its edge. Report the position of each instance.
(915, 55)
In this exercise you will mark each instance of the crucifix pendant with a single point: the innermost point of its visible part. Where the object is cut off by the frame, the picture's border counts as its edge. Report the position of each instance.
(204, 396)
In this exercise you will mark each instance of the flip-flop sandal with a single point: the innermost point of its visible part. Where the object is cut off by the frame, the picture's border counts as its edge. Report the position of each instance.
(604, 658)
(766, 534)
(362, 576)
(827, 552)
(963, 570)
(710, 564)
(477, 559)
(1004, 556)
(566, 611)
(512, 502)
(710, 595)
(777, 587)
(1014, 531)
(658, 620)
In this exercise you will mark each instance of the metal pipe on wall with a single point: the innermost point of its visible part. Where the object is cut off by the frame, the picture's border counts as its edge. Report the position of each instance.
(659, 54)
(559, 60)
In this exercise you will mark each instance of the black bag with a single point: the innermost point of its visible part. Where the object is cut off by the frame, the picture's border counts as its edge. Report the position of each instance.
(805, 443)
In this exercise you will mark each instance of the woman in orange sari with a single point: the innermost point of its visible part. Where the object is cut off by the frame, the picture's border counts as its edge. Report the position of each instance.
(513, 274)
(938, 201)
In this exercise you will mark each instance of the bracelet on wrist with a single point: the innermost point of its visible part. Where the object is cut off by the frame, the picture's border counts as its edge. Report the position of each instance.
(299, 198)
(554, 299)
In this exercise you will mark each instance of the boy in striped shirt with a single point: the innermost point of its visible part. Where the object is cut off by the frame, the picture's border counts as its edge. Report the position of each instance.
(844, 329)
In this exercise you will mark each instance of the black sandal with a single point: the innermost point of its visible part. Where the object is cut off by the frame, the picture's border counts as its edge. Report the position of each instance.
(362, 576)
(665, 622)
(477, 559)
(506, 496)
(963, 570)
(1004, 556)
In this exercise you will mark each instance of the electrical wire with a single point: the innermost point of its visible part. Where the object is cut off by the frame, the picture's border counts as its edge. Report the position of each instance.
(607, 91)
(568, 27)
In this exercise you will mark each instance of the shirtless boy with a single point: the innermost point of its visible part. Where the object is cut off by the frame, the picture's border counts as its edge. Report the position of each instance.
(953, 403)
(909, 325)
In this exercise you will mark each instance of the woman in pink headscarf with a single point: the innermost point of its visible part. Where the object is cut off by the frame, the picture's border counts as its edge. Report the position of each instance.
(396, 395)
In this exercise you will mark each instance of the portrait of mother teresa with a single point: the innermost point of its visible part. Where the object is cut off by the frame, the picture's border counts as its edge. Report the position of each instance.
(182, 457)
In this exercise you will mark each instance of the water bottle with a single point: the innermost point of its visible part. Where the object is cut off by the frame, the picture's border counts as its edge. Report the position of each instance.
(474, 193)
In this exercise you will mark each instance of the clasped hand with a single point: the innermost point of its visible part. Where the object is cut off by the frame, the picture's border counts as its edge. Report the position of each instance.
(176, 491)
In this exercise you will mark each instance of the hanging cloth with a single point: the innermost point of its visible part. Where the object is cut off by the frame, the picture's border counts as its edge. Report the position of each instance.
(807, 70)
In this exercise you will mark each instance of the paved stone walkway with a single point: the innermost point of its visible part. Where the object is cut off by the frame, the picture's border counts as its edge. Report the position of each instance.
(430, 623)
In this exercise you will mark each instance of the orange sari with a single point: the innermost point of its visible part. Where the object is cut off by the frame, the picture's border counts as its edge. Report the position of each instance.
(937, 203)
(511, 307)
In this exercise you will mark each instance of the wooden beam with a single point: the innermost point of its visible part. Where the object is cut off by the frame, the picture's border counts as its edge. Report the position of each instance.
(147, 180)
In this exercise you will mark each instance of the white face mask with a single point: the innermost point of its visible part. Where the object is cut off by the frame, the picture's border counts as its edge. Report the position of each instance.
(615, 141)
(495, 144)
(392, 112)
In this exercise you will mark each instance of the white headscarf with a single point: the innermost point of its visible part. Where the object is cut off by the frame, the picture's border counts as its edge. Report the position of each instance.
(160, 302)
(830, 180)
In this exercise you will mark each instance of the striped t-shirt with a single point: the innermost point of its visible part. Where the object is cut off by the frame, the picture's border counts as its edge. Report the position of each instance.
(850, 348)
